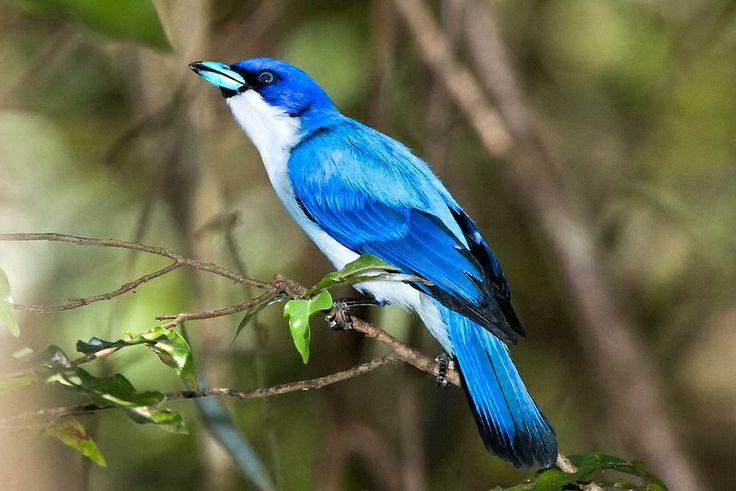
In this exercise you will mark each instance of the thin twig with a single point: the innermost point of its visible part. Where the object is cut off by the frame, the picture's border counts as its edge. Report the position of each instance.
(403, 351)
(54, 414)
(155, 250)
(279, 287)
(97, 355)
(309, 384)
(565, 465)
(177, 319)
(81, 302)
(180, 318)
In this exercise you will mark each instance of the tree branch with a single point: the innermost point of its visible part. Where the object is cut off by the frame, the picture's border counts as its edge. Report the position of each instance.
(148, 249)
(309, 384)
(280, 286)
(81, 302)
(178, 319)
(51, 415)
(403, 351)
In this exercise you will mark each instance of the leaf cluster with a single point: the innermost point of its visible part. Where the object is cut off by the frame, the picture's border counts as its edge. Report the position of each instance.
(607, 472)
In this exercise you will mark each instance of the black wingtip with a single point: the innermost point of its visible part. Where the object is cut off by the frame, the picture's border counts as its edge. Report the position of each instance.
(489, 316)
(534, 443)
(530, 447)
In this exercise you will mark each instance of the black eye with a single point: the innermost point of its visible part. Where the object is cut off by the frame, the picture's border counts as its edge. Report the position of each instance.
(266, 78)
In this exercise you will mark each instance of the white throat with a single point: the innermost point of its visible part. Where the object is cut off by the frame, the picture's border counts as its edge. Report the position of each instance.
(271, 129)
(273, 132)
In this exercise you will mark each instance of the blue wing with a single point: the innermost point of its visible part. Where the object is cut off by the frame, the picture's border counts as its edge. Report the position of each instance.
(372, 195)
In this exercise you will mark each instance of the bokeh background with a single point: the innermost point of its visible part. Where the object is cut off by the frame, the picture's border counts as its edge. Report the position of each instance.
(104, 132)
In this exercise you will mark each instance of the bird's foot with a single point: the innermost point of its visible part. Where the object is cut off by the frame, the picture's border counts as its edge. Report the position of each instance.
(444, 364)
(339, 318)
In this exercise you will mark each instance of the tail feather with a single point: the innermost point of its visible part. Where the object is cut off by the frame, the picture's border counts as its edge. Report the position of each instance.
(509, 421)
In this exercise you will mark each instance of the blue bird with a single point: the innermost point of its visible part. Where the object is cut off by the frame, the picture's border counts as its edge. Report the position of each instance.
(355, 191)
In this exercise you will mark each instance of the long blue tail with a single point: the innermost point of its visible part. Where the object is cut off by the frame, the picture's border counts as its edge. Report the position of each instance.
(509, 421)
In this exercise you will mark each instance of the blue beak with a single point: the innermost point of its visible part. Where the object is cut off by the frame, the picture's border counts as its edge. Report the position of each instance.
(219, 75)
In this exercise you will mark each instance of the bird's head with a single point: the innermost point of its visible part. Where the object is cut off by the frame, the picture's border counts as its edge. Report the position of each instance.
(267, 93)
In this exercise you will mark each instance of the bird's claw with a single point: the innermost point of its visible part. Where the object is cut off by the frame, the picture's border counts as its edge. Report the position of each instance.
(339, 318)
(444, 364)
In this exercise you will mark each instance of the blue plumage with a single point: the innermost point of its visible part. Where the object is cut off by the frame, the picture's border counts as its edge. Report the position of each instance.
(374, 196)
(356, 191)
(508, 419)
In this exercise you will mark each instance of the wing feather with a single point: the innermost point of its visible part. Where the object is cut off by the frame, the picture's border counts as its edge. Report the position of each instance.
(371, 194)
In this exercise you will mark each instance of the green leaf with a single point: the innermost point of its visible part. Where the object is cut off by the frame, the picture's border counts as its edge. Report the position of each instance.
(72, 433)
(553, 479)
(177, 354)
(96, 344)
(18, 381)
(7, 312)
(591, 468)
(174, 351)
(165, 419)
(53, 357)
(251, 313)
(114, 391)
(598, 461)
(366, 263)
(120, 19)
(168, 344)
(22, 352)
(243, 322)
(299, 311)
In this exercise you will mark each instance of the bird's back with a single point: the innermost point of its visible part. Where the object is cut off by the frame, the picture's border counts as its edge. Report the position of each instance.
(370, 193)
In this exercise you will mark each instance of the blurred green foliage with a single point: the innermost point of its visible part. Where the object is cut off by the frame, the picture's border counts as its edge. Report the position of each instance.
(102, 136)
(131, 19)
(71, 432)
(113, 391)
(168, 344)
(7, 311)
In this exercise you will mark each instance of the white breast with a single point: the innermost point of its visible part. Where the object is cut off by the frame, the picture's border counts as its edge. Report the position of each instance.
(275, 133)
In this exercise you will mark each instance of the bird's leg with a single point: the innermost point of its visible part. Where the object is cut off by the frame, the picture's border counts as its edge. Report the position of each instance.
(444, 363)
(339, 318)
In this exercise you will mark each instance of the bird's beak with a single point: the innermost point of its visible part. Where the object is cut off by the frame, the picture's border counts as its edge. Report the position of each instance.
(219, 75)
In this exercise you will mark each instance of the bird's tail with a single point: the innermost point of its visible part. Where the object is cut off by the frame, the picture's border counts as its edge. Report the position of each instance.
(509, 421)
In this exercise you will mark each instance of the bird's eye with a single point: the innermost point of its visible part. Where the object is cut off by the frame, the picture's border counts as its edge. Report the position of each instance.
(266, 78)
